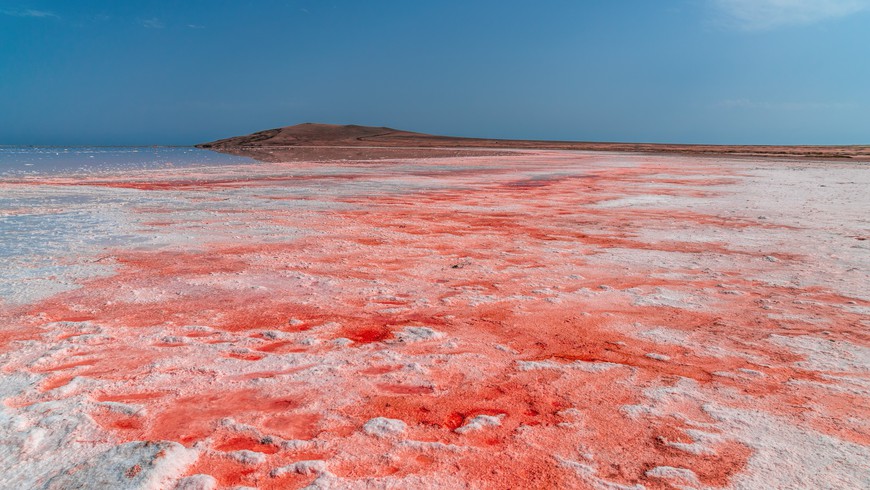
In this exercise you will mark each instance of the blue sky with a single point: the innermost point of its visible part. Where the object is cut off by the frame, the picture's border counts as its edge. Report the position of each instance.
(693, 71)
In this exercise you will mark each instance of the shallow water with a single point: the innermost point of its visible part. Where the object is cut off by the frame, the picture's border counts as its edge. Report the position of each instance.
(31, 160)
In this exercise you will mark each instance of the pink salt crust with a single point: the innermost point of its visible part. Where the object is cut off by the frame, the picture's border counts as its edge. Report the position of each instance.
(544, 320)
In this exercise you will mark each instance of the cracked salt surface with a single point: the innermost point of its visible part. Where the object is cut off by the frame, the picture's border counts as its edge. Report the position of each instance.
(480, 422)
(384, 427)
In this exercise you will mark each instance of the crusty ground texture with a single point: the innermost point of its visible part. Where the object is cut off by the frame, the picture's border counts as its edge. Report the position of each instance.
(537, 319)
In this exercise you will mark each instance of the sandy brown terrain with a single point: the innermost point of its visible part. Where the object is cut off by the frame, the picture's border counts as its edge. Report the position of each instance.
(287, 141)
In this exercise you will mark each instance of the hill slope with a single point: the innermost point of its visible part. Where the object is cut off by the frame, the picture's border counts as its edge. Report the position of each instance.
(314, 134)
(332, 135)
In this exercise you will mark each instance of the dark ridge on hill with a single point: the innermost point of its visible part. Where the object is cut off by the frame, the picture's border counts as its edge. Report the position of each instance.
(288, 143)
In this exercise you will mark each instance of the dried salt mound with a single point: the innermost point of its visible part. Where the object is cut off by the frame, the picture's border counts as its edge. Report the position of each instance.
(436, 446)
(570, 413)
(505, 348)
(682, 475)
(645, 200)
(197, 482)
(703, 443)
(174, 339)
(418, 334)
(79, 327)
(384, 427)
(311, 467)
(751, 372)
(742, 373)
(658, 357)
(589, 367)
(535, 365)
(248, 457)
(479, 422)
(294, 444)
(636, 411)
(135, 465)
(197, 328)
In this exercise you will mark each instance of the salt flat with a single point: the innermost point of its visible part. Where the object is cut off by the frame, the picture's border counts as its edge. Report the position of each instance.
(543, 319)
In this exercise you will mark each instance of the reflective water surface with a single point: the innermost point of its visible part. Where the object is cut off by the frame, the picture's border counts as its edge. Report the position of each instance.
(33, 160)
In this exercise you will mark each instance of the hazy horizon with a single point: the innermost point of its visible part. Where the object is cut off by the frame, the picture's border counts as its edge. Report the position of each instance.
(100, 73)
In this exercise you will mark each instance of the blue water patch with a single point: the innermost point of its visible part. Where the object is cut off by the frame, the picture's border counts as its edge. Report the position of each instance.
(31, 160)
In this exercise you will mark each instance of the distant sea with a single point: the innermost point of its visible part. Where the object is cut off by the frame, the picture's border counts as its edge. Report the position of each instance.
(40, 160)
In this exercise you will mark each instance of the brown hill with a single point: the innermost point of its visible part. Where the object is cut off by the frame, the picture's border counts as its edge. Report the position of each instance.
(332, 136)
(313, 134)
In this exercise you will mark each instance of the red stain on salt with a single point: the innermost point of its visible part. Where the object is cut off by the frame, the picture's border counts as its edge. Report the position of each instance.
(193, 418)
(238, 443)
(366, 335)
(283, 347)
(129, 397)
(169, 344)
(120, 422)
(475, 254)
(72, 317)
(89, 362)
(245, 356)
(269, 374)
(182, 263)
(377, 370)
(228, 472)
(302, 426)
(55, 382)
(405, 390)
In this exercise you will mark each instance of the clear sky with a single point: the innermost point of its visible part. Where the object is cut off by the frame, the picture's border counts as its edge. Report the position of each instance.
(182, 72)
